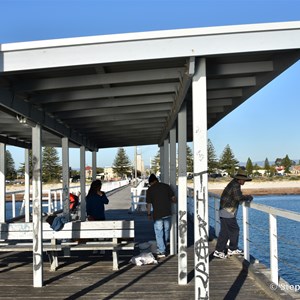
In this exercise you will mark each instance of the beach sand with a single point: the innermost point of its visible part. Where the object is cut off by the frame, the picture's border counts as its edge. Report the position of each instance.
(281, 187)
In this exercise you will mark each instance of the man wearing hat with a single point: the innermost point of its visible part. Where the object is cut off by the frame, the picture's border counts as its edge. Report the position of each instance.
(230, 199)
(160, 196)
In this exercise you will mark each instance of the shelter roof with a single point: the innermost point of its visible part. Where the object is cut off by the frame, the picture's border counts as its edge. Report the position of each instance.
(126, 89)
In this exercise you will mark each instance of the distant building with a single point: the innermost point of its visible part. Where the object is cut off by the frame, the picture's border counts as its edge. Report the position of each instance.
(140, 164)
(108, 173)
(88, 172)
(295, 170)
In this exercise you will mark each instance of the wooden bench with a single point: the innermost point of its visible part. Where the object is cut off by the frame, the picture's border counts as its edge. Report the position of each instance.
(91, 235)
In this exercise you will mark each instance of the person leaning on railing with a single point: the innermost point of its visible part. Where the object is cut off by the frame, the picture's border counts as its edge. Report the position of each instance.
(231, 197)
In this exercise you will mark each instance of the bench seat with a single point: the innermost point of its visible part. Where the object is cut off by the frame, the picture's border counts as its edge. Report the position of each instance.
(113, 235)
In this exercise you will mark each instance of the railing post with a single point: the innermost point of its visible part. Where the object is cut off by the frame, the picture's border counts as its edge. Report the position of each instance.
(246, 232)
(217, 218)
(13, 205)
(273, 248)
(55, 200)
(49, 202)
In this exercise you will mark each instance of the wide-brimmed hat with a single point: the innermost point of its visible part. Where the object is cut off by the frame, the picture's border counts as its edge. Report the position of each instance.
(242, 174)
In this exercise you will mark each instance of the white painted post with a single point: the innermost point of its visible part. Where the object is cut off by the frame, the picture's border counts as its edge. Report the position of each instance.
(161, 163)
(82, 184)
(182, 197)
(13, 206)
(66, 177)
(246, 233)
(94, 165)
(166, 162)
(27, 186)
(2, 183)
(200, 182)
(49, 202)
(217, 217)
(37, 247)
(173, 232)
(273, 248)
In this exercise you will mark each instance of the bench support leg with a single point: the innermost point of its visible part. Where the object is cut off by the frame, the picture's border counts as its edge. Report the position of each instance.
(52, 255)
(115, 260)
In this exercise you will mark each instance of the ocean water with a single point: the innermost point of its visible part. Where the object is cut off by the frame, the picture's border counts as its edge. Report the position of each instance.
(288, 232)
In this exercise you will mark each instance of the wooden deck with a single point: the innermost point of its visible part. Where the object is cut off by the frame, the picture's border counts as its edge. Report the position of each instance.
(89, 275)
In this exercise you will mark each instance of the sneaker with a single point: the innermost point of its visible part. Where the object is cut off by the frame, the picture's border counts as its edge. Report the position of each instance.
(235, 252)
(221, 255)
(160, 255)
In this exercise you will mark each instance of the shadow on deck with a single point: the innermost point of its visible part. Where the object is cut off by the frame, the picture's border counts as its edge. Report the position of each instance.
(88, 275)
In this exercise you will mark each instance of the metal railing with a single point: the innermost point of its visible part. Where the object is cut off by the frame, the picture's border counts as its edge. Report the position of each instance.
(272, 213)
(138, 197)
(52, 199)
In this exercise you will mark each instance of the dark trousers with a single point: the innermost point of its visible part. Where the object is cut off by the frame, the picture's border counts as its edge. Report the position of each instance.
(229, 231)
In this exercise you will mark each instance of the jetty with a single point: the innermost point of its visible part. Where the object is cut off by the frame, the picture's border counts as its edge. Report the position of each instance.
(88, 275)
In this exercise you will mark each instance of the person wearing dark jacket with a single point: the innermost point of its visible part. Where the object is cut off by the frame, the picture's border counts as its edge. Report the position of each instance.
(95, 201)
(230, 199)
(160, 196)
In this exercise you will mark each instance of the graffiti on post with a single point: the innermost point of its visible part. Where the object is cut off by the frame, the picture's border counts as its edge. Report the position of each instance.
(201, 245)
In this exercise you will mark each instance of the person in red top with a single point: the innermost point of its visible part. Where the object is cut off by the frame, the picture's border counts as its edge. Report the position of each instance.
(160, 196)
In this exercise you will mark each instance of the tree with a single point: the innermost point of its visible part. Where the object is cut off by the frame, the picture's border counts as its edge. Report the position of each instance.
(227, 160)
(122, 165)
(249, 166)
(278, 162)
(267, 167)
(212, 160)
(21, 169)
(50, 165)
(10, 172)
(155, 163)
(189, 160)
(287, 163)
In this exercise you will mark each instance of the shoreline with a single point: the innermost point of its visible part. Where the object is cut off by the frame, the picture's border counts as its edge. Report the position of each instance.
(282, 187)
(260, 188)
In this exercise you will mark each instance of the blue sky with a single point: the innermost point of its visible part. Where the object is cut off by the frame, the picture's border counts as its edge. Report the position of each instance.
(265, 126)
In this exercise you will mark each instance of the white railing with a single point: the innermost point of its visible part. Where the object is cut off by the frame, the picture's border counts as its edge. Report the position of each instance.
(138, 197)
(53, 198)
(273, 214)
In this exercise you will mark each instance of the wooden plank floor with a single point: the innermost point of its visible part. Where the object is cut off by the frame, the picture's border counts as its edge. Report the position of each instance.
(88, 275)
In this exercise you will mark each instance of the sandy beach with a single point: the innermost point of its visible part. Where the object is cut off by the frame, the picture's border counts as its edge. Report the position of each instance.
(280, 187)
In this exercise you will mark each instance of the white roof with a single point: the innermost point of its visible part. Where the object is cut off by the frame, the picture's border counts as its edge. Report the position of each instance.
(126, 89)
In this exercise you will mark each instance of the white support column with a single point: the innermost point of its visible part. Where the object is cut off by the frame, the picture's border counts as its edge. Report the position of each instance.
(161, 163)
(166, 162)
(246, 232)
(94, 165)
(37, 194)
(82, 184)
(66, 177)
(182, 197)
(200, 182)
(273, 248)
(173, 232)
(27, 186)
(2, 183)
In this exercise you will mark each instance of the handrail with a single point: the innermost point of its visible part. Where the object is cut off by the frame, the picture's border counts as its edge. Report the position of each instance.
(53, 197)
(273, 214)
(138, 196)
